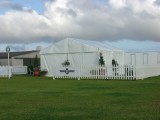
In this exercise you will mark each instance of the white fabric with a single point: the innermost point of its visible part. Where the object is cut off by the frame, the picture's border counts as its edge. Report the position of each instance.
(70, 45)
(78, 52)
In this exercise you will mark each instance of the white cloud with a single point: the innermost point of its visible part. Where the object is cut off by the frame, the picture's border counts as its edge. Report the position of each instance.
(23, 27)
(85, 19)
(118, 3)
(4, 3)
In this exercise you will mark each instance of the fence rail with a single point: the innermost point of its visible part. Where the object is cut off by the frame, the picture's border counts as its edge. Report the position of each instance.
(125, 72)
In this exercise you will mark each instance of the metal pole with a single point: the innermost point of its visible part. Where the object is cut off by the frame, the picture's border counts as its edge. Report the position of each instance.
(8, 67)
(8, 50)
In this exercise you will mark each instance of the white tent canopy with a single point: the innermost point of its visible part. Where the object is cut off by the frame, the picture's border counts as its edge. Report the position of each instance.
(79, 53)
(70, 45)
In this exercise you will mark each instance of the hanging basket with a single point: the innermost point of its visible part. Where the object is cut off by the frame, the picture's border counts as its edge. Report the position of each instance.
(66, 63)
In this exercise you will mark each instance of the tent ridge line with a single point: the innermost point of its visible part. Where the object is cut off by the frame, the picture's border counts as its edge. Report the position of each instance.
(67, 53)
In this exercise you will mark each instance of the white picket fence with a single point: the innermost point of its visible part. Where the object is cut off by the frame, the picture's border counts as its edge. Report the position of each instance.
(4, 71)
(13, 70)
(19, 70)
(125, 72)
(95, 72)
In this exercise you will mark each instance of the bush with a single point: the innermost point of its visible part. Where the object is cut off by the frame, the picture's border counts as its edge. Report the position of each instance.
(101, 60)
(114, 62)
(43, 72)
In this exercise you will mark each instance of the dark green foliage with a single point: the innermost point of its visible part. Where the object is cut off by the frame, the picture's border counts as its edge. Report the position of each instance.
(28, 61)
(41, 98)
(36, 62)
(66, 63)
(114, 62)
(30, 68)
(43, 72)
(101, 60)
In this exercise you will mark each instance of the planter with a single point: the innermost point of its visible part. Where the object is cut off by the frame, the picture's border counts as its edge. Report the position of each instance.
(43, 73)
(36, 73)
(101, 71)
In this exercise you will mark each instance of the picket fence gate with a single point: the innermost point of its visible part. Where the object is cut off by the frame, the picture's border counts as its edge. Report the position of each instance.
(121, 72)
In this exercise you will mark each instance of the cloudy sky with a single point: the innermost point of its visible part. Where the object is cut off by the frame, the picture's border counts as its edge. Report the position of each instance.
(127, 24)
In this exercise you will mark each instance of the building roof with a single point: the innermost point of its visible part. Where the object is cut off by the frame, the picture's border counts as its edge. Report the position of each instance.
(13, 54)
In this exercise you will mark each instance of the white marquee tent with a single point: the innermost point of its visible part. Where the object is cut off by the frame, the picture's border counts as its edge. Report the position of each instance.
(142, 58)
(79, 53)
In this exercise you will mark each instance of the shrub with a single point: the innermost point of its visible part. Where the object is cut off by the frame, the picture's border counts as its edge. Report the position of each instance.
(43, 72)
(101, 60)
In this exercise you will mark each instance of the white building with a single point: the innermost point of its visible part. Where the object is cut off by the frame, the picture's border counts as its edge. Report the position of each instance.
(21, 58)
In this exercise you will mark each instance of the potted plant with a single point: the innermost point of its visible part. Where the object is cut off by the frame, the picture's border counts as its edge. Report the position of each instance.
(102, 64)
(101, 60)
(114, 64)
(43, 72)
(36, 70)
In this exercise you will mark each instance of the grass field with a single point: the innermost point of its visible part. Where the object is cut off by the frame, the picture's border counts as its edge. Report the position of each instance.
(39, 98)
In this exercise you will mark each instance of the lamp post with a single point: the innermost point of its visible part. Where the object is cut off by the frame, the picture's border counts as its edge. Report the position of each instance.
(8, 50)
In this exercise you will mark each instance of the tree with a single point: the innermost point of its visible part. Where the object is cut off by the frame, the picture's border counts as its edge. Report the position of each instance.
(101, 60)
(36, 62)
(114, 62)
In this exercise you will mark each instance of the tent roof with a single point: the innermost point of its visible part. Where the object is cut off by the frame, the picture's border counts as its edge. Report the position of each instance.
(100, 45)
(71, 45)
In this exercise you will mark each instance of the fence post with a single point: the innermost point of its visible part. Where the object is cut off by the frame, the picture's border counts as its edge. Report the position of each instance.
(79, 72)
(143, 74)
(134, 72)
(53, 73)
(114, 71)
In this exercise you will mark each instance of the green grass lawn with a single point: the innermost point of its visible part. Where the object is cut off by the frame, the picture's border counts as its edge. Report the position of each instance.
(39, 98)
